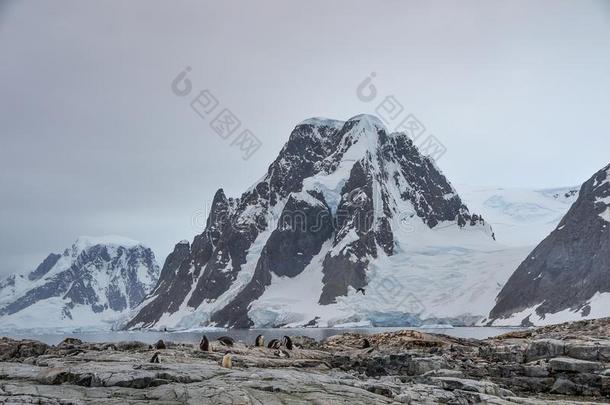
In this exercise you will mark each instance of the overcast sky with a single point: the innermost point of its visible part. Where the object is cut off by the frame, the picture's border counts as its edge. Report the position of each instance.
(93, 140)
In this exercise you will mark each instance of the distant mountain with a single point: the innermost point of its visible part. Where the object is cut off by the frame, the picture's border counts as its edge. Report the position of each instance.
(567, 276)
(345, 206)
(88, 286)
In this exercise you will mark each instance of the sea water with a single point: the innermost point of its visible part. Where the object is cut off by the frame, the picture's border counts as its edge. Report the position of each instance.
(246, 336)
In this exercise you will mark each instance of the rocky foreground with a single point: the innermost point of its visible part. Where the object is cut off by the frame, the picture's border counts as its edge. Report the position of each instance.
(562, 364)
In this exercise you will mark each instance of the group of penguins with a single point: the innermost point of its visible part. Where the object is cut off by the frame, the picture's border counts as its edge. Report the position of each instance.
(228, 341)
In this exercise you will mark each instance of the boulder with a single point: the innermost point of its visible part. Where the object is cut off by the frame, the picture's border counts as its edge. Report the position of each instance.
(573, 365)
(544, 349)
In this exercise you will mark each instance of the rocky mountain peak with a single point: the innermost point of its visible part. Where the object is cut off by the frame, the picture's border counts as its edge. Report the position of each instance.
(336, 197)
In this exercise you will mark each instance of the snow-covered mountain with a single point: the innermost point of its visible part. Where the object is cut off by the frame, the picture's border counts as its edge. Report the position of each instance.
(87, 287)
(350, 224)
(567, 276)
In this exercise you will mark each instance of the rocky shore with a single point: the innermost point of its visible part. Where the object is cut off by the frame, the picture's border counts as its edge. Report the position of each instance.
(562, 364)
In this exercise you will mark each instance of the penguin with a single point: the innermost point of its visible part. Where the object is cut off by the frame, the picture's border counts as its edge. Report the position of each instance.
(260, 341)
(286, 341)
(365, 343)
(160, 345)
(281, 354)
(227, 361)
(226, 341)
(274, 344)
(361, 290)
(204, 345)
(154, 358)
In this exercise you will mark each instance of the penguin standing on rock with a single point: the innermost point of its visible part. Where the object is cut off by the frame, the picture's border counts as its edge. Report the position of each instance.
(204, 345)
(286, 341)
(154, 358)
(365, 343)
(227, 361)
(260, 341)
(226, 341)
(274, 344)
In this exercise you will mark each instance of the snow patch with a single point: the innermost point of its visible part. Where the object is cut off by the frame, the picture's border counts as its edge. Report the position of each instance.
(599, 304)
(293, 301)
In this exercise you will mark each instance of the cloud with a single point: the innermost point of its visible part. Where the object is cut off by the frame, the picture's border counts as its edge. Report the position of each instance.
(94, 141)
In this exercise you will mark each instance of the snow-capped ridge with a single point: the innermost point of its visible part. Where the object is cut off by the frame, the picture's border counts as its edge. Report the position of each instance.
(84, 242)
(369, 120)
(89, 286)
(322, 121)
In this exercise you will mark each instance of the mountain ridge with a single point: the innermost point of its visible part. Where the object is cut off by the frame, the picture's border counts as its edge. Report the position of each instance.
(89, 284)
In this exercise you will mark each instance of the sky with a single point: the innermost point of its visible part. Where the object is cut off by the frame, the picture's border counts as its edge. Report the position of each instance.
(94, 140)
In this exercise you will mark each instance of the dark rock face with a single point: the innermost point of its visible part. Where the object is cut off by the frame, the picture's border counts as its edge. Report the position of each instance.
(74, 277)
(348, 267)
(571, 265)
(303, 227)
(172, 287)
(286, 219)
(432, 195)
(228, 257)
(185, 264)
(308, 146)
(46, 265)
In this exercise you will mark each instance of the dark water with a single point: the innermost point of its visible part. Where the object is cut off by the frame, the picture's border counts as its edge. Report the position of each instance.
(248, 335)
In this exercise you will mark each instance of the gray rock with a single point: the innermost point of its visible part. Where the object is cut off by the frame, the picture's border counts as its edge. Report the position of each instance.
(587, 351)
(535, 371)
(566, 387)
(574, 365)
(404, 367)
(11, 349)
(484, 387)
(545, 349)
